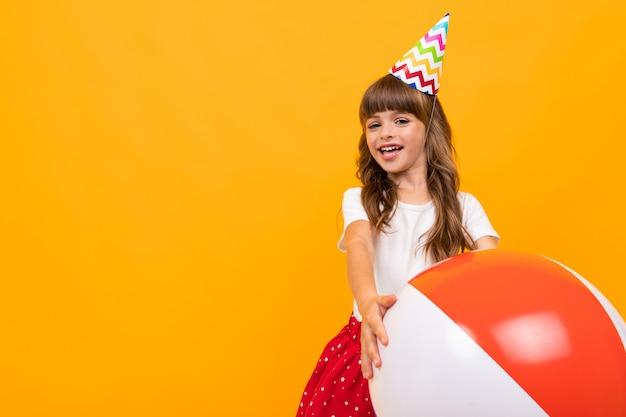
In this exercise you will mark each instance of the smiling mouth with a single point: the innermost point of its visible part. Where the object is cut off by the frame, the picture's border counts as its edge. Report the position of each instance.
(389, 149)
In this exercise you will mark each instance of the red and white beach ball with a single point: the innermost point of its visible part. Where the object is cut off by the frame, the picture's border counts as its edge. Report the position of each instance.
(501, 333)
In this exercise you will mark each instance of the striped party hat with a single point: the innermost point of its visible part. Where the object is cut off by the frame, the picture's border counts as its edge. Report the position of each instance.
(420, 67)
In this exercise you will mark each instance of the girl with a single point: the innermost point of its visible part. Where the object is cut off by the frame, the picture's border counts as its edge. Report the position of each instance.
(408, 214)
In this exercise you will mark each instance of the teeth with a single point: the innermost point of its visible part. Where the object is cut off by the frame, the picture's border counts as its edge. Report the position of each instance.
(389, 148)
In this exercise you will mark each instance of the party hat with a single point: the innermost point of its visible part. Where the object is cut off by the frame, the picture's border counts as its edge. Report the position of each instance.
(420, 67)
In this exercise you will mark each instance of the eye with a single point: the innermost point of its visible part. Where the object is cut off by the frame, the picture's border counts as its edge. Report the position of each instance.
(373, 125)
(402, 121)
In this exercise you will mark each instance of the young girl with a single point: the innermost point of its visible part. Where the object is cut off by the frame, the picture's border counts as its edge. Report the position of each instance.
(408, 214)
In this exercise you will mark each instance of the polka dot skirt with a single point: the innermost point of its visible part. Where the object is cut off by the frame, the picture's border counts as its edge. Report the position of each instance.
(337, 387)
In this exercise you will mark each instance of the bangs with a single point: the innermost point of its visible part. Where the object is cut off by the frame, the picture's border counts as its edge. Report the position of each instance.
(389, 93)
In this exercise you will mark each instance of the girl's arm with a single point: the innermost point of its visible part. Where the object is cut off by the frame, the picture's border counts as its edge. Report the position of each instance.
(358, 240)
(486, 242)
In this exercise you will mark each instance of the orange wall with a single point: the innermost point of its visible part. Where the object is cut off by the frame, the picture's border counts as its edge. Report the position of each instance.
(172, 175)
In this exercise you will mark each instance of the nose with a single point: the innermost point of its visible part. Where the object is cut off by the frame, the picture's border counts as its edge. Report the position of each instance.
(386, 131)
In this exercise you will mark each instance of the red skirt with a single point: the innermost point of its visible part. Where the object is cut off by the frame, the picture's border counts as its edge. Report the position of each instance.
(337, 387)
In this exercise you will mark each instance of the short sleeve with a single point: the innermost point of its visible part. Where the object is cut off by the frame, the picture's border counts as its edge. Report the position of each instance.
(352, 210)
(475, 219)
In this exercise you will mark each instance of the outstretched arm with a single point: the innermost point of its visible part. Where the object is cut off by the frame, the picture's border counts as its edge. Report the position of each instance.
(359, 245)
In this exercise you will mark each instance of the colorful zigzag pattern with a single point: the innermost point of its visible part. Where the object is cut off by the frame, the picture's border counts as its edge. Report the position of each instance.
(421, 66)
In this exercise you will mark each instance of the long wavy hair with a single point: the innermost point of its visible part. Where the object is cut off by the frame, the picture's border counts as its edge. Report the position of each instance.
(379, 195)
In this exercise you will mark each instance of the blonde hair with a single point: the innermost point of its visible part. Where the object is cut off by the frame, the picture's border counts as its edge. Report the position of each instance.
(447, 236)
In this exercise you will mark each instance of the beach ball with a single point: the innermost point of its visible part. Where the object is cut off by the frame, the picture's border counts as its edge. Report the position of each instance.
(501, 333)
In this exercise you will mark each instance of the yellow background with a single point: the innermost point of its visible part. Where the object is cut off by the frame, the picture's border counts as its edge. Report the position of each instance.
(172, 175)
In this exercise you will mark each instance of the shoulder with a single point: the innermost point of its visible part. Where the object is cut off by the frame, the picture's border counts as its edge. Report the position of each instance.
(352, 211)
(351, 205)
(469, 203)
(466, 198)
(352, 196)
(475, 219)
(352, 192)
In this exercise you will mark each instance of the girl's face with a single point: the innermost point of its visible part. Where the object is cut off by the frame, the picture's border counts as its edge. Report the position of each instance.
(396, 141)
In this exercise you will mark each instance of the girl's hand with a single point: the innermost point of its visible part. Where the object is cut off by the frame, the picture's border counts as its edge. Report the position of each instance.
(372, 330)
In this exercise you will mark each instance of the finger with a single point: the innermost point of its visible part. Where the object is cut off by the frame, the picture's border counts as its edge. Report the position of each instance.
(372, 352)
(369, 351)
(378, 329)
(366, 365)
(384, 303)
(369, 348)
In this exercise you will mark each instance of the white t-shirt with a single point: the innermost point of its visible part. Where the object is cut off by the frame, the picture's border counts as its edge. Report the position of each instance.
(398, 251)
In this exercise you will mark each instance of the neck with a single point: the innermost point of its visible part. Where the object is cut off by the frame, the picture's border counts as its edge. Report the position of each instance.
(414, 192)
